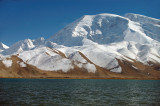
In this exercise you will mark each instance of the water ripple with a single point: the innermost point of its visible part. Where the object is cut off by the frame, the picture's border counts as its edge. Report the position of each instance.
(79, 92)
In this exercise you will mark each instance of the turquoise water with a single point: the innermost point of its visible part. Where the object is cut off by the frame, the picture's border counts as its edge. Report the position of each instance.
(71, 92)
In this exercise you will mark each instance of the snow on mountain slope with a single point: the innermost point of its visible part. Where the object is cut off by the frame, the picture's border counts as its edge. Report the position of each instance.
(142, 19)
(101, 28)
(7, 63)
(3, 47)
(104, 56)
(28, 44)
(20, 46)
(94, 41)
(105, 29)
(48, 59)
(39, 41)
(149, 26)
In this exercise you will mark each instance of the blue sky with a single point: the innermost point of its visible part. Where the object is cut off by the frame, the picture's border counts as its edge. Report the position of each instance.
(22, 19)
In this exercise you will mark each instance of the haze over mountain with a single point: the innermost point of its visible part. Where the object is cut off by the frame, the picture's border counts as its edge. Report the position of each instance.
(100, 46)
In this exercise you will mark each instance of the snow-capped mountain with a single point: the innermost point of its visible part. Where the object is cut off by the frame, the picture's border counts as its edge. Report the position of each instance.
(103, 45)
(107, 28)
(29, 44)
(19, 47)
(149, 26)
(3, 46)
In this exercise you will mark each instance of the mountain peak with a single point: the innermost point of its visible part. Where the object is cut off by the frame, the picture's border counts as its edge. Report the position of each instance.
(20, 46)
(108, 28)
(101, 28)
(3, 46)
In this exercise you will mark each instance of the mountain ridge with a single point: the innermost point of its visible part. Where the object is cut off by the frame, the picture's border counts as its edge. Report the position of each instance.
(99, 46)
(103, 28)
(3, 47)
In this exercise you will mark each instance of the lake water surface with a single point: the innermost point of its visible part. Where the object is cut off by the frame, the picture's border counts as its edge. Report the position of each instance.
(75, 92)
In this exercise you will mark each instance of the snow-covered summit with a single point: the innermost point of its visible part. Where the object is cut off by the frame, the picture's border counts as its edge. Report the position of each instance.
(20, 46)
(101, 28)
(28, 44)
(3, 46)
(107, 28)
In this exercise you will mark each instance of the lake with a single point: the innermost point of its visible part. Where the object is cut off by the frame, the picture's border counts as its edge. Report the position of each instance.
(79, 92)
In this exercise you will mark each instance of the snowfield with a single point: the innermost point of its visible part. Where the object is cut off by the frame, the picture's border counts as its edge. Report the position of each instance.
(93, 40)
(7, 63)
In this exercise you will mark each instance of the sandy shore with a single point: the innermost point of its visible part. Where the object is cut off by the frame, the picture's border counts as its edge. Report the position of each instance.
(82, 78)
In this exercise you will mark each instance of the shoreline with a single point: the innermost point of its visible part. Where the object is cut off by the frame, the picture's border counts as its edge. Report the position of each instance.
(117, 78)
